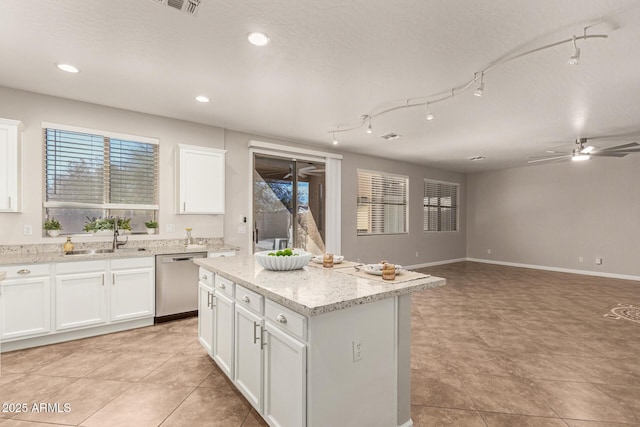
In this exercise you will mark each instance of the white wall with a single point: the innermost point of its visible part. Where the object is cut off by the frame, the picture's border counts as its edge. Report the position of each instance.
(550, 215)
(32, 109)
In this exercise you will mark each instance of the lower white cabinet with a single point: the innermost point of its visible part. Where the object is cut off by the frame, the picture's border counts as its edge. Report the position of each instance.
(25, 302)
(285, 378)
(81, 294)
(223, 333)
(132, 288)
(248, 355)
(206, 309)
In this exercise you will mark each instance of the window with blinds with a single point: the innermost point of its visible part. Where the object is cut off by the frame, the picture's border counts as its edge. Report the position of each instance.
(382, 203)
(89, 175)
(440, 206)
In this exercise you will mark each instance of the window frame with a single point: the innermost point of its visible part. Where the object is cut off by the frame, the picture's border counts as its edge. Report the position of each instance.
(381, 205)
(106, 207)
(454, 206)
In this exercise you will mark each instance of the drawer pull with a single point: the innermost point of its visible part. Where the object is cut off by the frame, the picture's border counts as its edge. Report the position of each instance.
(246, 299)
(221, 286)
(281, 319)
(24, 271)
(204, 277)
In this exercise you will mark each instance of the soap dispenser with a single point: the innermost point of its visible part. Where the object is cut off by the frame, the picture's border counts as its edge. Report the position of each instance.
(68, 245)
(188, 239)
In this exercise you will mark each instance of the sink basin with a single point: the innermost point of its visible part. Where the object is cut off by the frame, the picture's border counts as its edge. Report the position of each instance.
(104, 251)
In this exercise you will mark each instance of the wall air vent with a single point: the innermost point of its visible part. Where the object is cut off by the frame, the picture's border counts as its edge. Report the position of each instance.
(390, 136)
(190, 7)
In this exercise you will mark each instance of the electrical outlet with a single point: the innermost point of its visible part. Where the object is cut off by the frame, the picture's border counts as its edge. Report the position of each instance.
(489, 251)
(580, 259)
(416, 254)
(357, 350)
(598, 261)
(170, 228)
(28, 230)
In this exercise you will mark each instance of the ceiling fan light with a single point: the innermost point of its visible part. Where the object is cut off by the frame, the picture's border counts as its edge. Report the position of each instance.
(580, 157)
(369, 128)
(588, 149)
(480, 90)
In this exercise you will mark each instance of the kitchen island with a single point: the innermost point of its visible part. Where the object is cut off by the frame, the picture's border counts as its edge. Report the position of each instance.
(312, 347)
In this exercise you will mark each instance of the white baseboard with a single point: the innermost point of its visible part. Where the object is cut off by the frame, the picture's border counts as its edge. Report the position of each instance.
(559, 269)
(431, 264)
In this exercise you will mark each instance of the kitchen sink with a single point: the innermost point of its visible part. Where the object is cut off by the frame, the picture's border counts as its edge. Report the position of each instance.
(104, 251)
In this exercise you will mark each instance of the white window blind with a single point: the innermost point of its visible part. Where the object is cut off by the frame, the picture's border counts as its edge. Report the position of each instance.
(382, 203)
(440, 206)
(93, 175)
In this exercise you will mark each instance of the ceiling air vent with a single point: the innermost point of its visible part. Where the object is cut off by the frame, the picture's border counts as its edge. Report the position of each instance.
(190, 7)
(390, 136)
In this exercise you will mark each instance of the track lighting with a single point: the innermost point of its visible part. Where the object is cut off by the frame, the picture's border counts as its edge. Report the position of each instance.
(575, 58)
(480, 89)
(369, 129)
(429, 115)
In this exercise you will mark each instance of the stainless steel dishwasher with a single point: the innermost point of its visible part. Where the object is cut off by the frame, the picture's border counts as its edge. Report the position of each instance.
(176, 286)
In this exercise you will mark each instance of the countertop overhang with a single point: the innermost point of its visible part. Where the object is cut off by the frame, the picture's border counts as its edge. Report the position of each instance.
(311, 290)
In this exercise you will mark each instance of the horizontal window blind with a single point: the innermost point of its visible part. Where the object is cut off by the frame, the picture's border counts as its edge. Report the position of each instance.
(440, 206)
(133, 171)
(382, 206)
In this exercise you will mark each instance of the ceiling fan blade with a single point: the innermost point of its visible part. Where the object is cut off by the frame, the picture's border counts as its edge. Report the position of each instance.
(547, 159)
(608, 154)
(623, 146)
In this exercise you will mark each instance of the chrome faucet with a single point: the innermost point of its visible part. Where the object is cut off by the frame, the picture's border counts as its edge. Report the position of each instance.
(116, 242)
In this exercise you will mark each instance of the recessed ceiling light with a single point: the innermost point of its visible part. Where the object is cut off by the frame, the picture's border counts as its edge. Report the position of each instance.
(258, 39)
(202, 98)
(68, 68)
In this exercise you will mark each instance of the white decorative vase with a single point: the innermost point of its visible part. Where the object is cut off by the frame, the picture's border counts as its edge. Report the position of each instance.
(53, 233)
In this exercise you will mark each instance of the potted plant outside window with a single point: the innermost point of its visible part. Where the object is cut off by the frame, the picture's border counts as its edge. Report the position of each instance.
(52, 227)
(152, 227)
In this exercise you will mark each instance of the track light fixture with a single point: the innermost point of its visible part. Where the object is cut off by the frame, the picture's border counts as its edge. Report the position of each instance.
(575, 58)
(457, 90)
(480, 90)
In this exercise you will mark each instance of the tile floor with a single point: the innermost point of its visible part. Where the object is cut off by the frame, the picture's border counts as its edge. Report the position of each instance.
(497, 346)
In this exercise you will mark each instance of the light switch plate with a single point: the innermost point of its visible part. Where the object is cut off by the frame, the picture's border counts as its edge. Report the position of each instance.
(170, 228)
(28, 230)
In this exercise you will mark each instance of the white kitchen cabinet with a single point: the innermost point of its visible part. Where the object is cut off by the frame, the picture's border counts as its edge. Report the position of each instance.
(81, 294)
(206, 310)
(132, 288)
(25, 303)
(223, 333)
(247, 374)
(285, 376)
(10, 165)
(200, 173)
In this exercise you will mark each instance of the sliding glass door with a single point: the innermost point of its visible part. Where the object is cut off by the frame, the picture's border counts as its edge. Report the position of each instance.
(288, 204)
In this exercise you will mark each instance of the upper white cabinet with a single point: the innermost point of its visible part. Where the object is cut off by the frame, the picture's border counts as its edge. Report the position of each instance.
(10, 165)
(200, 180)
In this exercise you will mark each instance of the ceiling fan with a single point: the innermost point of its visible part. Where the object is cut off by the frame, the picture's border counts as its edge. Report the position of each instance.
(585, 152)
(305, 171)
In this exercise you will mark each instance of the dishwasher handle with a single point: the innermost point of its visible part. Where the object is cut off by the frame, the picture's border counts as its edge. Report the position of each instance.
(166, 260)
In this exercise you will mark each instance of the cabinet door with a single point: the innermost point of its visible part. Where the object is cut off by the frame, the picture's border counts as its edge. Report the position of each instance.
(285, 379)
(247, 370)
(10, 165)
(80, 300)
(201, 180)
(132, 293)
(25, 307)
(206, 309)
(223, 334)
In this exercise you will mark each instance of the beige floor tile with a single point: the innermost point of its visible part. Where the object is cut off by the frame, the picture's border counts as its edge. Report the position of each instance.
(30, 360)
(505, 420)
(183, 370)
(582, 401)
(32, 388)
(166, 342)
(543, 367)
(506, 395)
(440, 391)
(627, 396)
(601, 370)
(253, 419)
(141, 405)
(6, 378)
(78, 364)
(130, 366)
(424, 416)
(84, 397)
(581, 423)
(216, 379)
(19, 423)
(210, 407)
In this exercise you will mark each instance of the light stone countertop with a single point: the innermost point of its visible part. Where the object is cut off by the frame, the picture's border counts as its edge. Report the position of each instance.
(45, 257)
(311, 290)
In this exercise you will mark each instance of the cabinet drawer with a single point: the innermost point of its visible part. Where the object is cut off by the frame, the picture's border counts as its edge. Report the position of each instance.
(249, 299)
(80, 267)
(286, 319)
(224, 285)
(133, 262)
(27, 270)
(206, 276)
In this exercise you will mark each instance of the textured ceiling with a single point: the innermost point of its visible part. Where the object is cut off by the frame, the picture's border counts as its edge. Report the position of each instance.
(332, 61)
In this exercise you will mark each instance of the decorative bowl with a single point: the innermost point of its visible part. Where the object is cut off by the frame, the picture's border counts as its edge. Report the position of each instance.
(296, 261)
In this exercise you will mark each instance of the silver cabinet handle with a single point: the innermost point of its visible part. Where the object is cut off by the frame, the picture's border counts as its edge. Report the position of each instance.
(262, 341)
(246, 299)
(24, 271)
(204, 277)
(221, 286)
(184, 206)
(255, 336)
(281, 319)
(10, 202)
